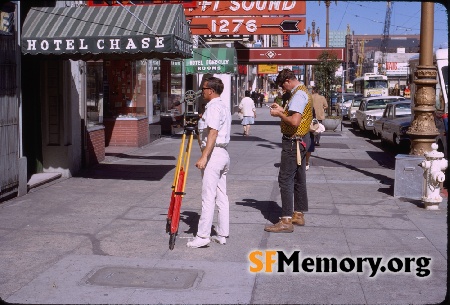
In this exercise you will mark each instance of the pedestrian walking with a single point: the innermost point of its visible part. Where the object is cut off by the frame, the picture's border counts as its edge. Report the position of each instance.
(247, 108)
(312, 146)
(295, 118)
(214, 131)
(254, 97)
(319, 104)
(279, 98)
(260, 98)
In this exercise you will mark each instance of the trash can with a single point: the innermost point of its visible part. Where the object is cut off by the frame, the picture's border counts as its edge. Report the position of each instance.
(166, 121)
(408, 176)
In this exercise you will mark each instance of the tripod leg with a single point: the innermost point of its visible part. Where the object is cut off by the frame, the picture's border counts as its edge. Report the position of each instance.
(177, 205)
(179, 194)
(188, 157)
(175, 221)
(172, 239)
(174, 183)
(178, 190)
(179, 161)
(170, 212)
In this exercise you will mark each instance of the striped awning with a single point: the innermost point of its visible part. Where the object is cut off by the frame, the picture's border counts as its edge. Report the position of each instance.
(213, 61)
(142, 31)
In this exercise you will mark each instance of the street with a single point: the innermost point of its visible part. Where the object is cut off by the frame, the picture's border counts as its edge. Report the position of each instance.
(100, 237)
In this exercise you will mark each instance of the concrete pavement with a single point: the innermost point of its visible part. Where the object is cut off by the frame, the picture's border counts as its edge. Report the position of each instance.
(100, 237)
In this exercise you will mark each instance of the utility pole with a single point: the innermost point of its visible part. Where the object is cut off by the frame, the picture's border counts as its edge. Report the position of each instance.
(384, 41)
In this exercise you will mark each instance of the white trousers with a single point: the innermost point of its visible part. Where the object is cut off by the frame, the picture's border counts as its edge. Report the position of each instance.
(214, 192)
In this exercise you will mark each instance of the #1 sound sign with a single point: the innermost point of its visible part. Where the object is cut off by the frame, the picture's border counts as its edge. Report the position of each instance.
(233, 17)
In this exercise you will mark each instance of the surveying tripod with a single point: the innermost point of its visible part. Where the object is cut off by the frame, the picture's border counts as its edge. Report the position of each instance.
(181, 170)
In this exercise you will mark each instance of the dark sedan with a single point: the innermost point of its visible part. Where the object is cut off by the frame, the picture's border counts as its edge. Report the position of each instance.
(394, 123)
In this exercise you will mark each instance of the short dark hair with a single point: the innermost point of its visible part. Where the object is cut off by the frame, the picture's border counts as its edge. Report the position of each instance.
(215, 83)
(283, 76)
(247, 93)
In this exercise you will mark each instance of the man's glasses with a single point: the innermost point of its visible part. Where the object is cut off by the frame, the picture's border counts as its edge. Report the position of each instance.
(205, 88)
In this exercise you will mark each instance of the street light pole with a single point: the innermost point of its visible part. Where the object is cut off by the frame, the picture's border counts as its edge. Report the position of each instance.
(342, 96)
(327, 5)
(312, 34)
(423, 129)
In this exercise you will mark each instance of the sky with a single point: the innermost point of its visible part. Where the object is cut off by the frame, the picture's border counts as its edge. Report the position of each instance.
(367, 17)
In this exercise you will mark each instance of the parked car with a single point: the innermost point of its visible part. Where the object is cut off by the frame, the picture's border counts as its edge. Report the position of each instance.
(352, 110)
(333, 97)
(371, 109)
(342, 109)
(386, 126)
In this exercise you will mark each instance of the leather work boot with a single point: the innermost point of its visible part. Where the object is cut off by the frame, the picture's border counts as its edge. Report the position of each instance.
(283, 226)
(298, 219)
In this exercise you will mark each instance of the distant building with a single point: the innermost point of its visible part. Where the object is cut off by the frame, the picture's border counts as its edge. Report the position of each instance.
(363, 44)
(361, 51)
(337, 39)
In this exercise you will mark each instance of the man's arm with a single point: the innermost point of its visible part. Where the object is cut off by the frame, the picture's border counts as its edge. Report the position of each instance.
(294, 119)
(210, 143)
(325, 104)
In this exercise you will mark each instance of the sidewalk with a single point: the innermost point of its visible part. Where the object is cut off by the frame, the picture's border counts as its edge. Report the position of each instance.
(100, 237)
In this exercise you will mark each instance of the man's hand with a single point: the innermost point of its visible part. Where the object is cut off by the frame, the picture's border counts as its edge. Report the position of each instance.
(210, 142)
(201, 163)
(276, 110)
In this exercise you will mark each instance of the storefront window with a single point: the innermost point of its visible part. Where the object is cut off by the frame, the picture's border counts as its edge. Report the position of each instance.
(125, 88)
(156, 78)
(94, 93)
(165, 103)
(176, 87)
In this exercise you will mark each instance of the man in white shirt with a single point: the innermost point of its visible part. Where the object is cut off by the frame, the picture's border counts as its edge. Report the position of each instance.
(214, 132)
(247, 107)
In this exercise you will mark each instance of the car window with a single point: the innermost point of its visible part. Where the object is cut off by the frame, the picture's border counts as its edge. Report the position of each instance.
(377, 104)
(389, 110)
(404, 106)
(356, 103)
(361, 106)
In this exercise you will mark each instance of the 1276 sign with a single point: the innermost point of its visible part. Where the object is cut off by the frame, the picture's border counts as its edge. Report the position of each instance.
(246, 25)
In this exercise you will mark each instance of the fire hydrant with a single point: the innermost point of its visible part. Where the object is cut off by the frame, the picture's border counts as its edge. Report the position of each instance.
(433, 175)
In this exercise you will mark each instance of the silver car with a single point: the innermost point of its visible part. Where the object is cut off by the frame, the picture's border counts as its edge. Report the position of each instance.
(352, 110)
(371, 109)
(342, 109)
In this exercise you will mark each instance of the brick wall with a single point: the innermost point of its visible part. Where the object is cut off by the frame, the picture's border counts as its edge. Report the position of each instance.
(95, 146)
(126, 132)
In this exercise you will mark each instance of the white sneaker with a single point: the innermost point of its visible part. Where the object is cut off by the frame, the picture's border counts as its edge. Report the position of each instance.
(219, 239)
(307, 166)
(198, 242)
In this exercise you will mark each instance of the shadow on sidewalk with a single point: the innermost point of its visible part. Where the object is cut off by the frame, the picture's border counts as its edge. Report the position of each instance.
(269, 209)
(126, 172)
(191, 219)
(382, 178)
(127, 156)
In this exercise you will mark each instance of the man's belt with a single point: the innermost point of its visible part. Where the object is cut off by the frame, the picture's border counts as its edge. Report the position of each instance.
(292, 137)
(222, 145)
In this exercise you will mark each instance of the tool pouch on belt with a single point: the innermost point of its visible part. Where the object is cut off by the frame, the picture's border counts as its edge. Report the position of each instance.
(299, 155)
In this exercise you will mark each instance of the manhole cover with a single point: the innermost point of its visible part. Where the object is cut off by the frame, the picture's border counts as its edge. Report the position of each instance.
(158, 278)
